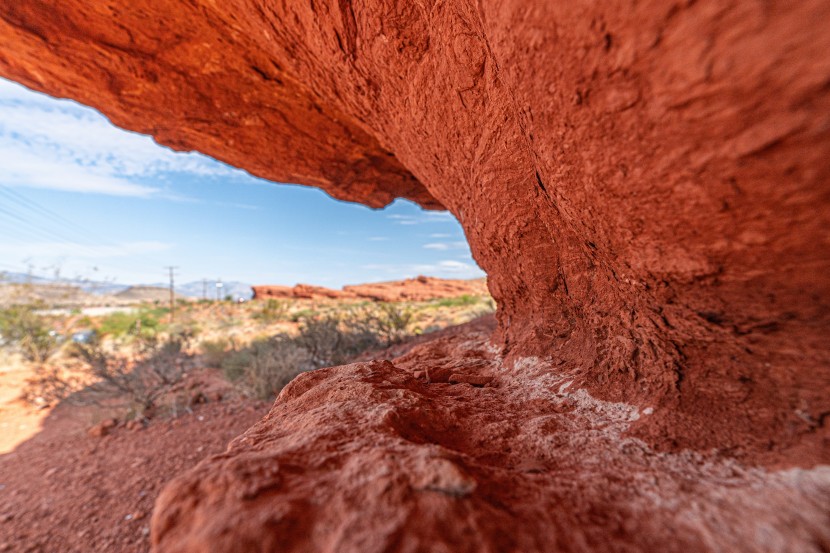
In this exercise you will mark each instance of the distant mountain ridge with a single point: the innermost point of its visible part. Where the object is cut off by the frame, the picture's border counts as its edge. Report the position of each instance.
(194, 289)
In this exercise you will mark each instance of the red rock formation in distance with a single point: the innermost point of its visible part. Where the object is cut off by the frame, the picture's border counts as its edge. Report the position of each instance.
(298, 291)
(646, 185)
(421, 288)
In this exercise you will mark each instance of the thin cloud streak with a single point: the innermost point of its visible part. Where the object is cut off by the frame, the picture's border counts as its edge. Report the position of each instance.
(427, 217)
(60, 145)
(448, 268)
(445, 246)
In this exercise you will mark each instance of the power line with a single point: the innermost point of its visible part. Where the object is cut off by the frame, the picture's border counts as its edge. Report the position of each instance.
(20, 212)
(172, 271)
(40, 209)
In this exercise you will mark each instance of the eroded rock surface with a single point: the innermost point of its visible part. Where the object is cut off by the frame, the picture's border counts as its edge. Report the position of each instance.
(646, 185)
(370, 458)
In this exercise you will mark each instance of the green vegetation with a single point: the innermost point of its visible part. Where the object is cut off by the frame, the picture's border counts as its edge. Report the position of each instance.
(460, 301)
(23, 329)
(272, 311)
(143, 323)
(266, 365)
(135, 360)
(302, 315)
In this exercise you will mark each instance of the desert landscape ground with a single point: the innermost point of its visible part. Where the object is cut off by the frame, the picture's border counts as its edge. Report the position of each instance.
(66, 424)
(645, 184)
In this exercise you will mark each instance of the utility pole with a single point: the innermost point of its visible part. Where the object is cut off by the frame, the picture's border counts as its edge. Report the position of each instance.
(204, 288)
(172, 271)
(219, 286)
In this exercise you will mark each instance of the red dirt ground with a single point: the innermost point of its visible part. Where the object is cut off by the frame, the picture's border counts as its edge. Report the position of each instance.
(64, 490)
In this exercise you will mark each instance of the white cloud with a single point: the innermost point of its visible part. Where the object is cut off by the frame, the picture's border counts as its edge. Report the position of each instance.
(60, 145)
(425, 217)
(454, 266)
(22, 167)
(448, 268)
(444, 246)
(378, 238)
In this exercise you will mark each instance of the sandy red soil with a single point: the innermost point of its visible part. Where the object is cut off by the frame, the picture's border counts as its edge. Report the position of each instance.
(18, 421)
(64, 490)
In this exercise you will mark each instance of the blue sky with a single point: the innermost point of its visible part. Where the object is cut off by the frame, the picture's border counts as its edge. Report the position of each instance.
(80, 195)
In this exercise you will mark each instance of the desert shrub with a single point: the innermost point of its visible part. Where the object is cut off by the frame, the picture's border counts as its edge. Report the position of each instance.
(23, 329)
(184, 333)
(264, 367)
(214, 352)
(272, 311)
(302, 315)
(157, 312)
(336, 338)
(141, 385)
(236, 362)
(390, 322)
(460, 301)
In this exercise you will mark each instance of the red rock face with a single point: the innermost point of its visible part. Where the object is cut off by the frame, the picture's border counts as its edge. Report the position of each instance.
(370, 458)
(421, 288)
(299, 291)
(645, 184)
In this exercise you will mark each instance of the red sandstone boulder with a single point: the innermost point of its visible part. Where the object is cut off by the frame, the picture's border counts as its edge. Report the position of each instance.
(366, 458)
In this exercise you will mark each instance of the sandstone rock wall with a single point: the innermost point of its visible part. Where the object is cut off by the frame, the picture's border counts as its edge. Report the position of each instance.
(645, 183)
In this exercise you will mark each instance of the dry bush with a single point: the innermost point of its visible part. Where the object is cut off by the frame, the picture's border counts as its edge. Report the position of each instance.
(390, 322)
(336, 338)
(264, 367)
(214, 352)
(272, 311)
(141, 385)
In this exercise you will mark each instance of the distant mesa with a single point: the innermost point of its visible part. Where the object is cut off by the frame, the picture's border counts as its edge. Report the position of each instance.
(146, 293)
(421, 288)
